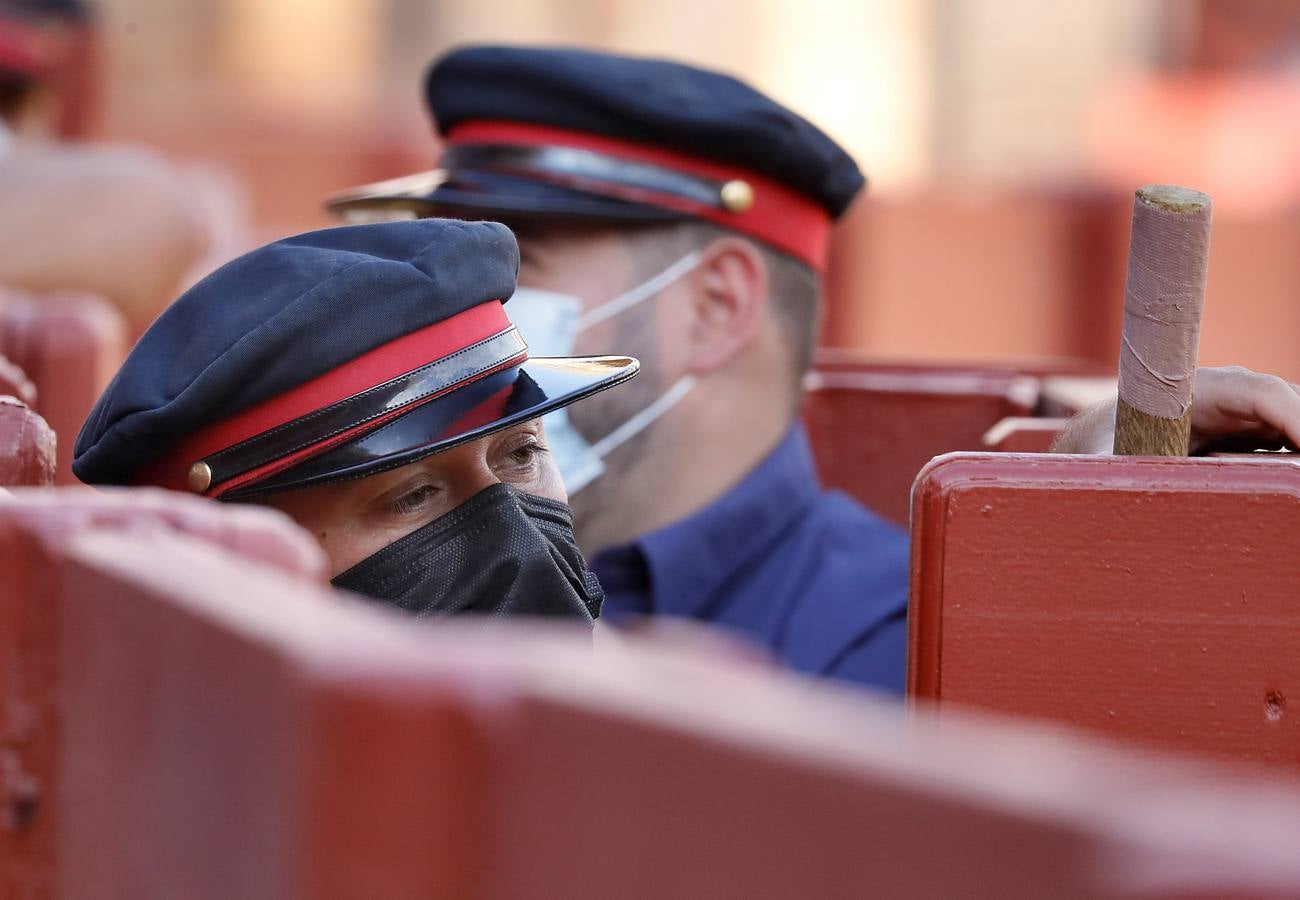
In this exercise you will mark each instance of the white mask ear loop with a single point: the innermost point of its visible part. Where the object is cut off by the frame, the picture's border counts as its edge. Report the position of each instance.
(635, 425)
(643, 291)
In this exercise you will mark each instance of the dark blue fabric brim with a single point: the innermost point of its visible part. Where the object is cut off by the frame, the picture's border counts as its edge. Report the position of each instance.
(506, 398)
(504, 197)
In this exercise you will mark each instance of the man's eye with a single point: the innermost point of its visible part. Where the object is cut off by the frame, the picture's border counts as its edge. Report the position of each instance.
(527, 454)
(415, 500)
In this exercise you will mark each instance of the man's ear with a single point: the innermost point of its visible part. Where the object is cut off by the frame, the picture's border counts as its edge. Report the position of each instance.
(730, 302)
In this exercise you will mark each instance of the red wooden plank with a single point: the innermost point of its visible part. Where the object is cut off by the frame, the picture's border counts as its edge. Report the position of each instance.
(230, 730)
(872, 431)
(1153, 600)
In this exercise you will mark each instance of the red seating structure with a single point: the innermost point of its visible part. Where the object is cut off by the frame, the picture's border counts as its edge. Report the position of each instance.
(995, 275)
(981, 275)
(873, 428)
(182, 720)
(69, 345)
(874, 422)
(26, 446)
(1152, 600)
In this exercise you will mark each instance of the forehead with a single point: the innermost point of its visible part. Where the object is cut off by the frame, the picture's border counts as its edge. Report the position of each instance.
(559, 253)
(541, 233)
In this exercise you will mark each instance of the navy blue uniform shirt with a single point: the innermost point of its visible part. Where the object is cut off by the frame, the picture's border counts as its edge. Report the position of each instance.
(808, 573)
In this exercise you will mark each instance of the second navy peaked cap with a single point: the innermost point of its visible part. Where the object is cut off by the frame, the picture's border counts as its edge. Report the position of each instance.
(333, 354)
(531, 131)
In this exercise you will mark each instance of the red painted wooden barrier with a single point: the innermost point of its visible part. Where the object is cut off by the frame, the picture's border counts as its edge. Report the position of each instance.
(70, 345)
(26, 446)
(872, 431)
(181, 723)
(1153, 600)
(37, 531)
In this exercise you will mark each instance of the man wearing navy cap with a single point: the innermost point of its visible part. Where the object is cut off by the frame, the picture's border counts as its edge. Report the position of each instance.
(687, 215)
(408, 443)
(684, 216)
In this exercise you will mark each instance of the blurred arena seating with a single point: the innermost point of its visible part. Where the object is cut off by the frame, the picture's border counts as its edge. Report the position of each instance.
(181, 720)
(26, 446)
(979, 275)
(15, 383)
(872, 429)
(1152, 600)
(70, 346)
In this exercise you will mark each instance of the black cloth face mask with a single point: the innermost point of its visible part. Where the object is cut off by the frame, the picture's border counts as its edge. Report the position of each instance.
(502, 552)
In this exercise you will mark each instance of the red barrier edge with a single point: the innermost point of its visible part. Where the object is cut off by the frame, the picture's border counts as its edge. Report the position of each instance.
(945, 475)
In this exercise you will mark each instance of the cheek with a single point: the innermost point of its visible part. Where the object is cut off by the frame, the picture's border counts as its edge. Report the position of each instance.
(549, 484)
(348, 544)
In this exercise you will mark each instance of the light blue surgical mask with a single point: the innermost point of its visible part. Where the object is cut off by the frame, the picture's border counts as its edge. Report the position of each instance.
(550, 322)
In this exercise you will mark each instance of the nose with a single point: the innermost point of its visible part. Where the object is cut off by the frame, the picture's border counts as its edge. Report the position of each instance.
(468, 471)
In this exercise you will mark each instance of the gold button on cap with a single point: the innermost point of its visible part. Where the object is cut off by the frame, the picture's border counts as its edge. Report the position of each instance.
(199, 477)
(737, 196)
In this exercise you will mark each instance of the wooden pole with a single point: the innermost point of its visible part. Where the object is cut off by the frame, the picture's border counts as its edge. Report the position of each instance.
(1164, 298)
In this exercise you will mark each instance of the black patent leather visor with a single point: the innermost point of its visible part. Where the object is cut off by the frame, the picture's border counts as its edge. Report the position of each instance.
(490, 404)
(473, 194)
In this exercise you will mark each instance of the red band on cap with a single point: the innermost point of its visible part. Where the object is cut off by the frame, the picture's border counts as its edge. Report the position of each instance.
(779, 216)
(24, 47)
(483, 413)
(372, 368)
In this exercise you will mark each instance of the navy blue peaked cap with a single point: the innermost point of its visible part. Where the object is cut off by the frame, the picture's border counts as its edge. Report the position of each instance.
(35, 37)
(70, 10)
(652, 101)
(320, 357)
(624, 139)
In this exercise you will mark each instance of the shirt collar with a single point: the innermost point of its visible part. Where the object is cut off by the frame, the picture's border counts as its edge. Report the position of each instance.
(688, 561)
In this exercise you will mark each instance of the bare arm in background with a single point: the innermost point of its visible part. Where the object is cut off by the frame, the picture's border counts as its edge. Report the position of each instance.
(114, 222)
(1233, 409)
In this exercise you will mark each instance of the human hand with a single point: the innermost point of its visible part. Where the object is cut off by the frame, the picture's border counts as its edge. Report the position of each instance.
(1237, 409)
(1233, 408)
